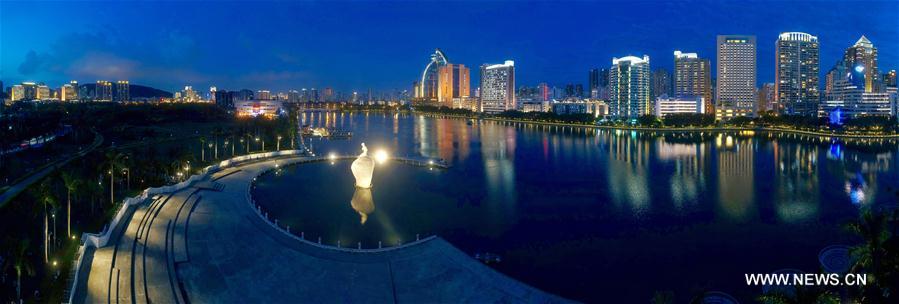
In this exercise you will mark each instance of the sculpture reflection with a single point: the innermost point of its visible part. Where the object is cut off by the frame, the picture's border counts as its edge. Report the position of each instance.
(363, 203)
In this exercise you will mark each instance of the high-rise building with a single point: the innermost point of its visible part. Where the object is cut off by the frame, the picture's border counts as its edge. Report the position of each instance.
(766, 98)
(853, 86)
(497, 87)
(68, 92)
(30, 91)
(224, 99)
(593, 83)
(861, 58)
(17, 92)
(629, 87)
(796, 74)
(889, 79)
(328, 94)
(736, 76)
(661, 84)
(42, 92)
(189, 95)
(103, 91)
(293, 96)
(426, 90)
(454, 81)
(544, 91)
(122, 91)
(263, 95)
(693, 77)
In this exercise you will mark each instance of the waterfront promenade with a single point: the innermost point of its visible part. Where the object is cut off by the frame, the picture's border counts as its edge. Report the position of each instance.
(207, 244)
(771, 129)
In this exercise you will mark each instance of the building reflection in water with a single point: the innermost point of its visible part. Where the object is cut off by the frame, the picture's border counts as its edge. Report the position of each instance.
(735, 175)
(796, 195)
(688, 178)
(627, 170)
(497, 153)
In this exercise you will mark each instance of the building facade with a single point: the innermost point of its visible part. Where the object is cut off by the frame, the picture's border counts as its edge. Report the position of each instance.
(122, 91)
(861, 58)
(629, 87)
(796, 74)
(497, 87)
(735, 93)
(661, 84)
(454, 81)
(693, 77)
(673, 105)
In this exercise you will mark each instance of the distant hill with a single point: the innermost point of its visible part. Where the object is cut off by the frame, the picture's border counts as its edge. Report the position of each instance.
(140, 91)
(136, 91)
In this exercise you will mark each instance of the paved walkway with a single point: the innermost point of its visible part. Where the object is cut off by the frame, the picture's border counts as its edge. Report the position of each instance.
(206, 244)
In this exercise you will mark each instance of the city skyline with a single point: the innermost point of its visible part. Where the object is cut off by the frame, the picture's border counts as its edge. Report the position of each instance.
(170, 56)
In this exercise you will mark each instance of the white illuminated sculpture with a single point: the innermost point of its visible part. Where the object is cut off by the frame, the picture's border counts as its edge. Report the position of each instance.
(363, 168)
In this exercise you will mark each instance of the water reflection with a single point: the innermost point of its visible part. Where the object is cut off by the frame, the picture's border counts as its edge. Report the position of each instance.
(363, 203)
(564, 195)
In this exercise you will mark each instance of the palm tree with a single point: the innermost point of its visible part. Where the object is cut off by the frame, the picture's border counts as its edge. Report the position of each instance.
(877, 254)
(113, 159)
(21, 264)
(803, 295)
(71, 183)
(49, 201)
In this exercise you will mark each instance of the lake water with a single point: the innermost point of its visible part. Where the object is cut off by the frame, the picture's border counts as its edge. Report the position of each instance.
(592, 215)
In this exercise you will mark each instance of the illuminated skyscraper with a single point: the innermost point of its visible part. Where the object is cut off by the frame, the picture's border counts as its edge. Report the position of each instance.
(861, 58)
(122, 91)
(426, 91)
(42, 92)
(796, 74)
(693, 77)
(629, 87)
(69, 92)
(736, 76)
(497, 87)
(454, 81)
(103, 91)
(17, 92)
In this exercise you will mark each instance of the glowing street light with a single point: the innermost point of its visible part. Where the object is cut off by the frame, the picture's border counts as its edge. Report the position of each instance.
(381, 156)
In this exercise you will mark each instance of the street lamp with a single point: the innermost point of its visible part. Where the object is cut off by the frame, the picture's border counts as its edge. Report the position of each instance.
(279, 143)
(127, 173)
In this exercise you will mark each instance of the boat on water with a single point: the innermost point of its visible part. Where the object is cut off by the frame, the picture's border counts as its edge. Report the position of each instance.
(327, 133)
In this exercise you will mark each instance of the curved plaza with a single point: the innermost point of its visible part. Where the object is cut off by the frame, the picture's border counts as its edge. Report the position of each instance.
(206, 243)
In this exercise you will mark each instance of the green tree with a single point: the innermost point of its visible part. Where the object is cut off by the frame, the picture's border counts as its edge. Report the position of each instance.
(801, 295)
(21, 264)
(876, 255)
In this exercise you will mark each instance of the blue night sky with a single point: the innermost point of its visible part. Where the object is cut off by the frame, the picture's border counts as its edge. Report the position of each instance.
(385, 45)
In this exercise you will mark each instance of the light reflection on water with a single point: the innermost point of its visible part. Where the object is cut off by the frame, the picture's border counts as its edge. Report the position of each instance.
(561, 204)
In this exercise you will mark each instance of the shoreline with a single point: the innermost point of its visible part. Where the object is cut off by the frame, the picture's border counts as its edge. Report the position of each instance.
(672, 129)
